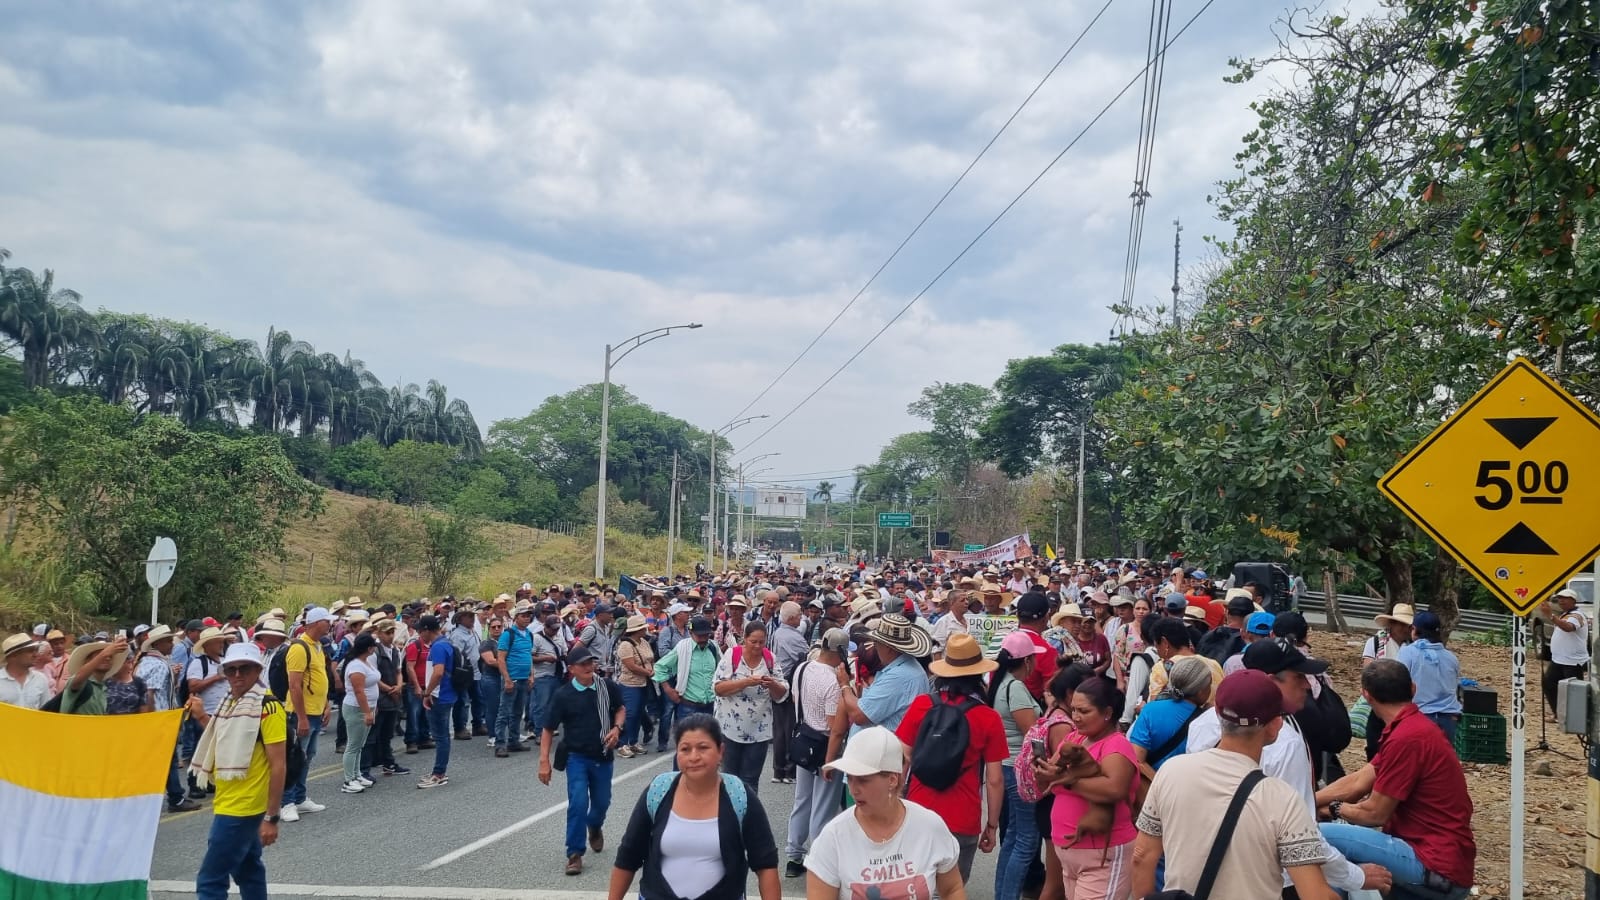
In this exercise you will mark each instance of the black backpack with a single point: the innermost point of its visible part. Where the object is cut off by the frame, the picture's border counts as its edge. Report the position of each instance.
(942, 740)
(460, 671)
(1219, 644)
(1325, 721)
(278, 669)
(183, 680)
(294, 755)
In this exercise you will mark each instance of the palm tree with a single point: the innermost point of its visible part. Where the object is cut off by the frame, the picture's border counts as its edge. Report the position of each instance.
(42, 318)
(825, 494)
(113, 364)
(275, 377)
(447, 421)
(343, 396)
(394, 413)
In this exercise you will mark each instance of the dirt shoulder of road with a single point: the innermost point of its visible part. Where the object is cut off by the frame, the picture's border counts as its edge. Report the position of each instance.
(1554, 830)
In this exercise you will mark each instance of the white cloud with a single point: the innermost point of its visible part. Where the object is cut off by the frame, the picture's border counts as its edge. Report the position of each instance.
(487, 192)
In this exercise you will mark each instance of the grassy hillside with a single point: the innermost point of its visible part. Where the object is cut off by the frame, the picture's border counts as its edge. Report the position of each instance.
(309, 574)
(33, 593)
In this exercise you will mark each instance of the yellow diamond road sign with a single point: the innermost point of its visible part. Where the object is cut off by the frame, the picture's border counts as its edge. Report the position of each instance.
(1510, 485)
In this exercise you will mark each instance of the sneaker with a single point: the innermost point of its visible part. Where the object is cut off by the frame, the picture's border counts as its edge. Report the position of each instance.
(431, 781)
(396, 769)
(289, 813)
(338, 749)
(575, 864)
(310, 806)
(788, 780)
(365, 781)
(794, 869)
(640, 750)
(491, 743)
(184, 805)
(352, 787)
(529, 736)
(777, 779)
(626, 752)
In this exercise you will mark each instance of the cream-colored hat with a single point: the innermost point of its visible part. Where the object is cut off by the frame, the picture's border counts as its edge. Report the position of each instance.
(16, 643)
(1403, 613)
(80, 656)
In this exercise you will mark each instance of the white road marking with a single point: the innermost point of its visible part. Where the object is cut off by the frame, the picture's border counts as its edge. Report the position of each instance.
(515, 827)
(404, 892)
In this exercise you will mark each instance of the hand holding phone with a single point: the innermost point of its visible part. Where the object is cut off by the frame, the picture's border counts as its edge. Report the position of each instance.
(1040, 751)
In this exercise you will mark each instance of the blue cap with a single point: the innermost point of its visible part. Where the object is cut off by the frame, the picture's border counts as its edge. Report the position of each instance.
(1259, 623)
(1199, 573)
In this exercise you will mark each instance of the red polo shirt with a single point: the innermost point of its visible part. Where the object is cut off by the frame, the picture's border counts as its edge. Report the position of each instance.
(1417, 767)
(1044, 665)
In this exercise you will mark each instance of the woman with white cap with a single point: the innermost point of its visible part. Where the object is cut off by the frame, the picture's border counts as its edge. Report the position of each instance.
(883, 846)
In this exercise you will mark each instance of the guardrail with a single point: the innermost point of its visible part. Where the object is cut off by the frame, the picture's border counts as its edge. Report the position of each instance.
(1358, 612)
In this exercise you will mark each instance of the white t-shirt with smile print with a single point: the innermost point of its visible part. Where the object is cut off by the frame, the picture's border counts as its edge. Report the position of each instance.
(905, 867)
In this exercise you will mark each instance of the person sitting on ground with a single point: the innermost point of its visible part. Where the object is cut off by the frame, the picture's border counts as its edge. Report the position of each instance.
(1413, 793)
(696, 832)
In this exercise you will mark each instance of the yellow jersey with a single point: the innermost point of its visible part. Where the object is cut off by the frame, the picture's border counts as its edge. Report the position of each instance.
(305, 656)
(247, 796)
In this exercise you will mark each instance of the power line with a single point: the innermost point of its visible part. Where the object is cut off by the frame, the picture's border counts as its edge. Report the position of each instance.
(1149, 115)
(935, 208)
(986, 229)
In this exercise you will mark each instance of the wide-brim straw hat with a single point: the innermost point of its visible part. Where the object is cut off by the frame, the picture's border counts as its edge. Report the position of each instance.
(895, 630)
(636, 623)
(160, 632)
(81, 655)
(17, 642)
(210, 634)
(1402, 612)
(962, 656)
(1068, 611)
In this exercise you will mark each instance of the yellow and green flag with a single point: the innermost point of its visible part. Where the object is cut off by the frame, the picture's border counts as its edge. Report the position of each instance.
(83, 795)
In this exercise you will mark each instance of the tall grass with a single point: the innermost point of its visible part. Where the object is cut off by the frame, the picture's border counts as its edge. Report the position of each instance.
(35, 589)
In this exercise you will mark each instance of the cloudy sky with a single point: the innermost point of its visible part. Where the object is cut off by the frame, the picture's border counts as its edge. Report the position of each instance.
(486, 192)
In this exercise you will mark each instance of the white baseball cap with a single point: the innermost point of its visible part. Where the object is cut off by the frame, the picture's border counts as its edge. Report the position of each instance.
(242, 652)
(871, 751)
(676, 608)
(317, 614)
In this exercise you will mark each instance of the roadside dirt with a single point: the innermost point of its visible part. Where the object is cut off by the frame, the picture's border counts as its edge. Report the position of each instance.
(1554, 830)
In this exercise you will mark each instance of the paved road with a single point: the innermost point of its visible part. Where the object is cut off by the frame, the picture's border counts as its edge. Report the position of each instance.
(494, 828)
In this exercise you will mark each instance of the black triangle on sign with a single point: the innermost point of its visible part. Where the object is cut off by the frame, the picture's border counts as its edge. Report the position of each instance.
(1522, 541)
(1521, 431)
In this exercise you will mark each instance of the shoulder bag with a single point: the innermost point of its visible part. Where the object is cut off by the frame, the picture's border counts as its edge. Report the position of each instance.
(1219, 846)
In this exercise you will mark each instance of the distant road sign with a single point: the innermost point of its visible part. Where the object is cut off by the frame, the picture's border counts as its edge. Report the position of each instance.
(894, 520)
(969, 548)
(1508, 485)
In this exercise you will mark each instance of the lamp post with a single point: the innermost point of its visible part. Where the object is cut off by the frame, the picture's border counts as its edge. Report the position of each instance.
(739, 528)
(711, 488)
(626, 347)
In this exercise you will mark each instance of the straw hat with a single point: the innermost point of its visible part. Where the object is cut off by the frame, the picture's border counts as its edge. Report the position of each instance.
(81, 655)
(157, 633)
(897, 631)
(1197, 613)
(1403, 613)
(210, 634)
(16, 643)
(635, 623)
(962, 656)
(272, 627)
(1067, 611)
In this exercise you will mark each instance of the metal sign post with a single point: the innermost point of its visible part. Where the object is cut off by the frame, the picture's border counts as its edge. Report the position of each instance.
(1519, 702)
(158, 569)
(1501, 486)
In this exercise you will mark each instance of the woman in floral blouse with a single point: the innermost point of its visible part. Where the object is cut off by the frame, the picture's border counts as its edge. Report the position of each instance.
(1129, 641)
(746, 684)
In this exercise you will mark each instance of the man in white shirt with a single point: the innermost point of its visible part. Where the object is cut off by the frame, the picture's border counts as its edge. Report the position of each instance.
(1569, 644)
(1286, 757)
(20, 684)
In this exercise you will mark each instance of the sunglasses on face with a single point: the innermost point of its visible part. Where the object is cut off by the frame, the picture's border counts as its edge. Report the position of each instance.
(237, 671)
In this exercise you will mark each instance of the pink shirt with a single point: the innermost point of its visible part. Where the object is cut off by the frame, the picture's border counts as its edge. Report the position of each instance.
(1070, 807)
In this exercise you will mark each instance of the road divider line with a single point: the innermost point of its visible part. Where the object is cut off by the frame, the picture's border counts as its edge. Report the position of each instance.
(402, 892)
(515, 827)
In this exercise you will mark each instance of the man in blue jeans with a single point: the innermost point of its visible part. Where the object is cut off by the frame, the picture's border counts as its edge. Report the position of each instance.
(515, 661)
(588, 710)
(245, 760)
(549, 648)
(308, 703)
(1408, 810)
(438, 698)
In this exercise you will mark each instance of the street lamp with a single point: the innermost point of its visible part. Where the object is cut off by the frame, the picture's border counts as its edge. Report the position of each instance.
(739, 536)
(711, 488)
(626, 346)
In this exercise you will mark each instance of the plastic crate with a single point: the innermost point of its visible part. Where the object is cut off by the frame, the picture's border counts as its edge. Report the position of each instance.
(1481, 739)
(1488, 725)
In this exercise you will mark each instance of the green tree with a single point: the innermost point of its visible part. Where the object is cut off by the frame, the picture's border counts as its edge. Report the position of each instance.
(41, 318)
(621, 515)
(420, 473)
(955, 412)
(907, 467)
(377, 541)
(359, 468)
(276, 376)
(1336, 336)
(452, 548)
(1523, 148)
(101, 485)
(486, 495)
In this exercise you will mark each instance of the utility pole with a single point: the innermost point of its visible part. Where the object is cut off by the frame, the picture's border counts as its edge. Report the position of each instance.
(1177, 246)
(1057, 544)
(672, 516)
(1083, 432)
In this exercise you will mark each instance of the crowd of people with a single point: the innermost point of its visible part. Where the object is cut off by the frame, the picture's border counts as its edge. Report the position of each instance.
(1108, 747)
